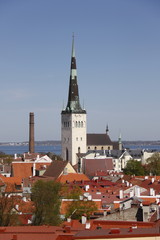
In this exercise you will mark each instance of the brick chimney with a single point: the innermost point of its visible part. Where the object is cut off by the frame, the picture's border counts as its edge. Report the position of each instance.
(31, 132)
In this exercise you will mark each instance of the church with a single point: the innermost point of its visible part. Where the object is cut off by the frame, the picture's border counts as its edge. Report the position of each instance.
(74, 137)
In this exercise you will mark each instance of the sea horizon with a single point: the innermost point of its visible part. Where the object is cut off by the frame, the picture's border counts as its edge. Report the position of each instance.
(56, 148)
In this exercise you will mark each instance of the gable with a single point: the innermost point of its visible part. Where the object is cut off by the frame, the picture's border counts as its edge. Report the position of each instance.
(44, 159)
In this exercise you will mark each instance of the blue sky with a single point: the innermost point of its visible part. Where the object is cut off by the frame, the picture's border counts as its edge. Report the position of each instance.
(117, 45)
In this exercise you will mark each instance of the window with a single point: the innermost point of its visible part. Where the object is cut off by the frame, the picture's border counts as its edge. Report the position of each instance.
(67, 154)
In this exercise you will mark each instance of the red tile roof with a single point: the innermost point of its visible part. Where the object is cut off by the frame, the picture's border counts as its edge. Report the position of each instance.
(71, 177)
(91, 166)
(25, 169)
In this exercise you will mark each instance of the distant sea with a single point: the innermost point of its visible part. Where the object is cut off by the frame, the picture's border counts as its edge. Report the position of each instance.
(143, 146)
(57, 148)
(24, 148)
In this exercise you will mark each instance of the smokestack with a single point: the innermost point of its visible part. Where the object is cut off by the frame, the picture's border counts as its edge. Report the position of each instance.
(31, 132)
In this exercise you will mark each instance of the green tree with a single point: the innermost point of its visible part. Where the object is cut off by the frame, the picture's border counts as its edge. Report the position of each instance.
(153, 164)
(71, 192)
(46, 198)
(54, 156)
(8, 216)
(77, 208)
(134, 167)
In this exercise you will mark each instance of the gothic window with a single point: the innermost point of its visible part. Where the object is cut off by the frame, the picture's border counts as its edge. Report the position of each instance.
(67, 154)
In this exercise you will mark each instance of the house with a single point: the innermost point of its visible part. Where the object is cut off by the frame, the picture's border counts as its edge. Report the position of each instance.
(90, 166)
(30, 167)
(57, 168)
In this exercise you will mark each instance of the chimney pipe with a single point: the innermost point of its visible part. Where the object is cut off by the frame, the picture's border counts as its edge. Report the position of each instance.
(31, 132)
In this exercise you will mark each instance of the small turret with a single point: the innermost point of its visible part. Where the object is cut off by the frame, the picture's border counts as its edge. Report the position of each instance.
(107, 129)
(120, 142)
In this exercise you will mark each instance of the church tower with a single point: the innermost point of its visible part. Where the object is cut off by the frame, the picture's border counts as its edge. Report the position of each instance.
(73, 119)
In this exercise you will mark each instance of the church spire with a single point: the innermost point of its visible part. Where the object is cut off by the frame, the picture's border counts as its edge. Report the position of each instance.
(120, 142)
(73, 105)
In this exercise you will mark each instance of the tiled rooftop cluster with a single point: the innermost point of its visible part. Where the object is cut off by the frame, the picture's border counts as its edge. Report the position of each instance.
(135, 200)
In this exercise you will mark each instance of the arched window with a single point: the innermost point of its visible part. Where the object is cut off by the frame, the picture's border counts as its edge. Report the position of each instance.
(81, 123)
(79, 149)
(67, 154)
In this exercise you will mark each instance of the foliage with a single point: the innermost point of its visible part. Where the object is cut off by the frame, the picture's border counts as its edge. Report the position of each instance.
(53, 156)
(6, 158)
(77, 208)
(8, 216)
(134, 167)
(71, 193)
(46, 198)
(153, 165)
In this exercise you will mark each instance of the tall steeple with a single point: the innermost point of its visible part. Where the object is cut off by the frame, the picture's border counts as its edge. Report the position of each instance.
(73, 105)
(73, 119)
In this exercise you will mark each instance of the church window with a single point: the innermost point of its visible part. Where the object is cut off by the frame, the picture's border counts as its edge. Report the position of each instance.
(67, 154)
(81, 123)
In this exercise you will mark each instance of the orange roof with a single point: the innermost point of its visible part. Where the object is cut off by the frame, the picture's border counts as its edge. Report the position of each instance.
(25, 169)
(71, 177)
(12, 180)
(148, 200)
